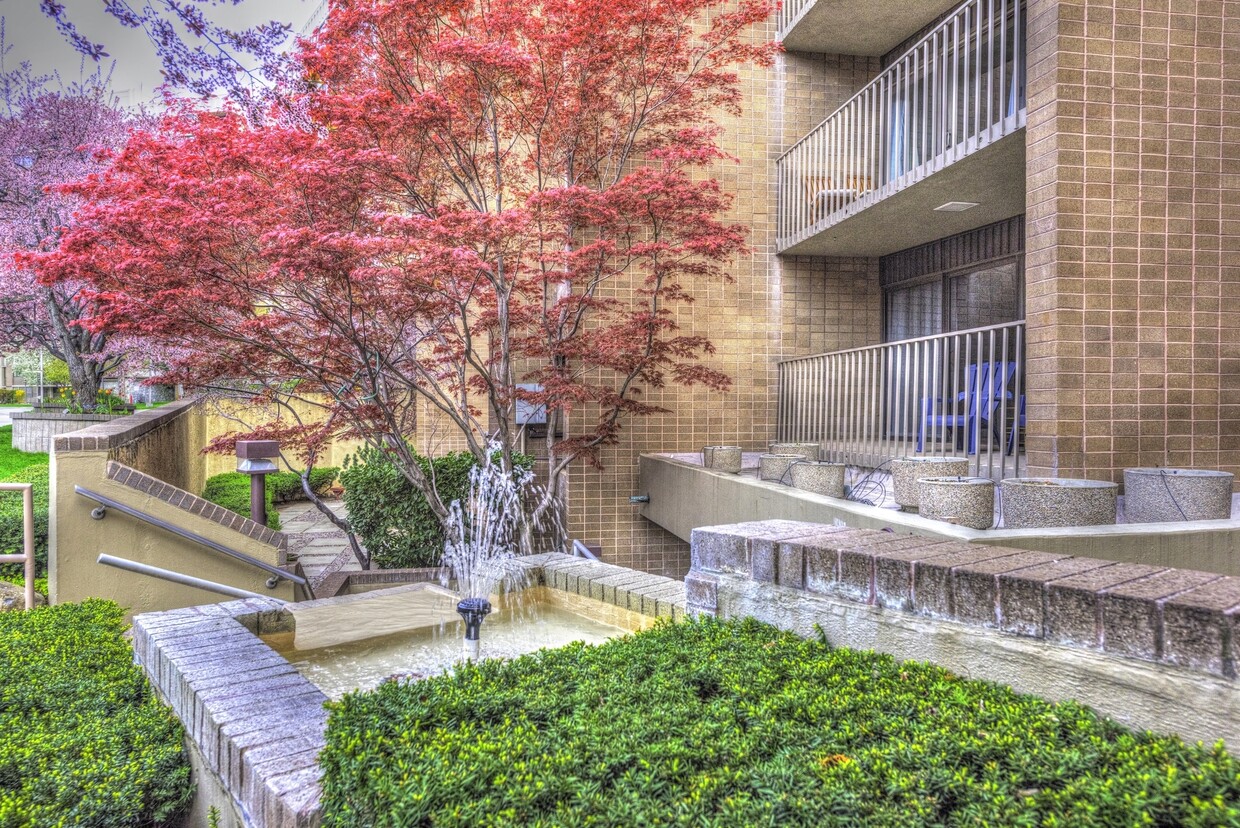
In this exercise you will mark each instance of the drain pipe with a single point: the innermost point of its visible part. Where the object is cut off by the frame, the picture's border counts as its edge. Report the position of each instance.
(183, 579)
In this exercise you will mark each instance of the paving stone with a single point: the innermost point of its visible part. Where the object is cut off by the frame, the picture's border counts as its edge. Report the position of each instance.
(1132, 611)
(1200, 627)
(1022, 593)
(1074, 603)
(975, 586)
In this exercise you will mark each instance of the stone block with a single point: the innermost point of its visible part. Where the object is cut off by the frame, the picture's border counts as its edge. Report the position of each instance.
(764, 544)
(701, 593)
(1132, 611)
(932, 578)
(855, 573)
(1074, 603)
(1022, 593)
(725, 548)
(792, 556)
(894, 568)
(604, 589)
(1200, 627)
(975, 586)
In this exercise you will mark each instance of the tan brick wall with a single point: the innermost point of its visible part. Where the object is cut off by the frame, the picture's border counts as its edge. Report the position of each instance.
(773, 309)
(1133, 223)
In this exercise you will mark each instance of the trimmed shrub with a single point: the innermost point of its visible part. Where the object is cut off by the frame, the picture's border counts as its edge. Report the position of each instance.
(232, 491)
(285, 487)
(739, 724)
(12, 396)
(392, 518)
(85, 740)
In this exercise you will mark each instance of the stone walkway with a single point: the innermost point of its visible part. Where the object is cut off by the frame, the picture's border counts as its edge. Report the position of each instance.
(321, 548)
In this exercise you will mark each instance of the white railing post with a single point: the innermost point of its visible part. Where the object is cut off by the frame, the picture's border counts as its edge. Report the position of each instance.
(27, 555)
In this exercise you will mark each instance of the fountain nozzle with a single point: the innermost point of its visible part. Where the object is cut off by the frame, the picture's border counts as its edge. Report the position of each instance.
(473, 610)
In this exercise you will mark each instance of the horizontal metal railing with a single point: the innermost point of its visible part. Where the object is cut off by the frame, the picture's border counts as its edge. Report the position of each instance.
(960, 393)
(277, 574)
(956, 90)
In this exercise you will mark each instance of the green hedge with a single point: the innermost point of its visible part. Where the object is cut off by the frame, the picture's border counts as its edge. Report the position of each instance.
(392, 518)
(739, 724)
(232, 490)
(84, 741)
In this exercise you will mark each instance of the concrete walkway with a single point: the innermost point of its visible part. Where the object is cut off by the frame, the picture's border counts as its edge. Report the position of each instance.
(320, 547)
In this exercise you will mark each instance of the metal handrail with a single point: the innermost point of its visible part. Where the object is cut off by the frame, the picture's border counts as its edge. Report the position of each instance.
(580, 550)
(1002, 326)
(181, 578)
(27, 556)
(108, 503)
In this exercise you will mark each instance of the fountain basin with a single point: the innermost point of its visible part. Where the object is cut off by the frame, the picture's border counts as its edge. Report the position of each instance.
(254, 722)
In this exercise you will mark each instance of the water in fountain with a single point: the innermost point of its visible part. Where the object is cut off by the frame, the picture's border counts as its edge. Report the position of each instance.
(482, 537)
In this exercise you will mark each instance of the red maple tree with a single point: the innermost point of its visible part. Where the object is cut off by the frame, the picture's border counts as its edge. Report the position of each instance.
(488, 203)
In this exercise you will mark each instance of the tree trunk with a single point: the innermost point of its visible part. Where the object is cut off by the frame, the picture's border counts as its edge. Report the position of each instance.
(84, 375)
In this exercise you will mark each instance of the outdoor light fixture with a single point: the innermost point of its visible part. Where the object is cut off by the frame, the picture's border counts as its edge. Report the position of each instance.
(955, 207)
(257, 459)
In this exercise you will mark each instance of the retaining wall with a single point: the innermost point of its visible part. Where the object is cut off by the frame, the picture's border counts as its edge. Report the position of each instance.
(1154, 647)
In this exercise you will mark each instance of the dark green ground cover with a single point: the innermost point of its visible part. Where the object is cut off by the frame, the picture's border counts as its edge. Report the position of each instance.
(738, 724)
(83, 741)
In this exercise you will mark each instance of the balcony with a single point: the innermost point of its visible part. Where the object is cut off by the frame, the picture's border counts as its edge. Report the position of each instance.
(943, 123)
(854, 27)
(960, 393)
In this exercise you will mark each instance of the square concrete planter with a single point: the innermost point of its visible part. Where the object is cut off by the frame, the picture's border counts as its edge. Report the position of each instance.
(1165, 495)
(1044, 502)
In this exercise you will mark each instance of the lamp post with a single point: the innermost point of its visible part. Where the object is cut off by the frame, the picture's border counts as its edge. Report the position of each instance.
(257, 459)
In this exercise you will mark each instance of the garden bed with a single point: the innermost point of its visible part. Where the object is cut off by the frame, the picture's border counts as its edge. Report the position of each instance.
(739, 724)
(85, 740)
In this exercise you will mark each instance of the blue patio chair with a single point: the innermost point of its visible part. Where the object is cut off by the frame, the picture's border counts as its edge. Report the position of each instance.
(970, 405)
(1017, 425)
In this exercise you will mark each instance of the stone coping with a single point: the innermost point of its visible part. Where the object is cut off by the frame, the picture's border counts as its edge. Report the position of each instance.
(259, 724)
(118, 431)
(1180, 617)
(51, 414)
(195, 505)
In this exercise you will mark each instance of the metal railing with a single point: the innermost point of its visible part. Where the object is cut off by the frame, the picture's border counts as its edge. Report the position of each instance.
(277, 574)
(183, 579)
(27, 555)
(961, 393)
(958, 89)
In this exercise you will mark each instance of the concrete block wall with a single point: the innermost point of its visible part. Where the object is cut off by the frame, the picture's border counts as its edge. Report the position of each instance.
(1178, 617)
(35, 430)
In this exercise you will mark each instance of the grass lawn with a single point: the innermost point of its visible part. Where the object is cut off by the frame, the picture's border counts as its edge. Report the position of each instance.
(12, 460)
(737, 724)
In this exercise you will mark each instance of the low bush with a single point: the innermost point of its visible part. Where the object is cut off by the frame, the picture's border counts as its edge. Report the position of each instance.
(232, 491)
(85, 741)
(286, 486)
(392, 518)
(738, 724)
(12, 396)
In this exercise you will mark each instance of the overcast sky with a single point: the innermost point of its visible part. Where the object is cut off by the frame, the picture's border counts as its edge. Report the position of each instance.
(33, 37)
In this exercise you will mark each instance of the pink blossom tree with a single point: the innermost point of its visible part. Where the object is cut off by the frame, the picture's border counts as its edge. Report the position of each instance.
(49, 137)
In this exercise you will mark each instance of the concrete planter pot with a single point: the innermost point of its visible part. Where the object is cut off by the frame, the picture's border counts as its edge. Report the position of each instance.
(905, 472)
(964, 501)
(775, 466)
(1165, 495)
(1044, 502)
(722, 458)
(819, 478)
(809, 451)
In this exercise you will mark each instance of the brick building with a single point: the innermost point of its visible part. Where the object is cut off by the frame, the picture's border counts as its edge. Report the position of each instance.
(1060, 177)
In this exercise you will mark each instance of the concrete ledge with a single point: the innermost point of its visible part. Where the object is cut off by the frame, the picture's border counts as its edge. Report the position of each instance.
(684, 496)
(118, 431)
(1081, 603)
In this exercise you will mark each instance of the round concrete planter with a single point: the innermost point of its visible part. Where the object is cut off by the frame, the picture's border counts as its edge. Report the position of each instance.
(1164, 495)
(819, 478)
(1043, 502)
(905, 472)
(964, 501)
(722, 458)
(807, 450)
(775, 466)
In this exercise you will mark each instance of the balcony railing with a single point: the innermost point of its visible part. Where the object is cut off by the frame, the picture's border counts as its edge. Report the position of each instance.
(960, 393)
(957, 90)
